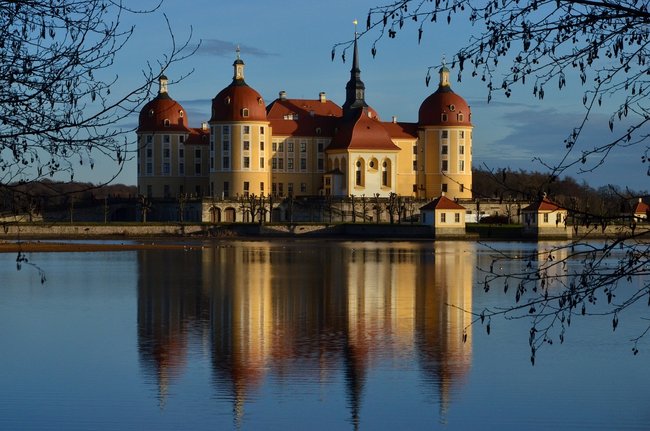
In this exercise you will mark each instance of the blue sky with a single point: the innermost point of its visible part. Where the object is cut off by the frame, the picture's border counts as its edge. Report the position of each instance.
(287, 46)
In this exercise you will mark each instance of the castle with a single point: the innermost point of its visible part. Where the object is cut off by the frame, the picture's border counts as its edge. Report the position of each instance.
(305, 147)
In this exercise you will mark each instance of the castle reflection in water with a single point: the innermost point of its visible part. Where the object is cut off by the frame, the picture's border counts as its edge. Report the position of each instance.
(307, 310)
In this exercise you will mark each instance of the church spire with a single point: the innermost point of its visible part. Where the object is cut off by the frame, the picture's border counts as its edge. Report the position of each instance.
(355, 89)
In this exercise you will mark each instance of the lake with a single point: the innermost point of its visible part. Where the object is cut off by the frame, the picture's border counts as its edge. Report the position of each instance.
(316, 335)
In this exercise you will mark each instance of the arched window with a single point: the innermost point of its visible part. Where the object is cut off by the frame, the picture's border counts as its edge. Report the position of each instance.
(244, 112)
(386, 173)
(166, 122)
(358, 179)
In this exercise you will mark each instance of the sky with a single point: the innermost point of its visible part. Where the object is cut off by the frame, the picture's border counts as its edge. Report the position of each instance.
(287, 46)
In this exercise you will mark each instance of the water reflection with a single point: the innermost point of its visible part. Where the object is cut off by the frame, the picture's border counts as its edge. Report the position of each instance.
(307, 312)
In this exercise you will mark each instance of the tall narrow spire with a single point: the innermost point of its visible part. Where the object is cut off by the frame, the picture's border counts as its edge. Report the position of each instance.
(355, 90)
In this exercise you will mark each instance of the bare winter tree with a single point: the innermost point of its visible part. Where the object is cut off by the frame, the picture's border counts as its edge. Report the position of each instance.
(56, 106)
(604, 46)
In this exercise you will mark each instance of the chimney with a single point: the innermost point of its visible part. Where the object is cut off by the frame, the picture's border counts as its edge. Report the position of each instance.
(322, 97)
(283, 95)
(394, 118)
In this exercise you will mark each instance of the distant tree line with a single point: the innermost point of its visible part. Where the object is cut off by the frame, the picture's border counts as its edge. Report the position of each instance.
(508, 184)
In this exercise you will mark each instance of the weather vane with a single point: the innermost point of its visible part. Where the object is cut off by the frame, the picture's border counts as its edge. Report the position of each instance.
(237, 51)
(355, 22)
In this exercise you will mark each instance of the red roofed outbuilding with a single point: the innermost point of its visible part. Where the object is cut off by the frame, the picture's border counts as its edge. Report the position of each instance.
(446, 217)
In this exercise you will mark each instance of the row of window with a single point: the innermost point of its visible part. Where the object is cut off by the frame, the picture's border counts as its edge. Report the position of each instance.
(277, 189)
(444, 134)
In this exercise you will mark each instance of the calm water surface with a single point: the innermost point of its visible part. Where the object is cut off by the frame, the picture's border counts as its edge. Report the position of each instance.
(297, 335)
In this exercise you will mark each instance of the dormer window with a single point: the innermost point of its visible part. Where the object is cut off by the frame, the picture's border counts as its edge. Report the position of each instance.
(443, 117)
(180, 113)
(260, 101)
(244, 112)
(460, 117)
(452, 108)
(318, 131)
(166, 122)
(151, 112)
(227, 100)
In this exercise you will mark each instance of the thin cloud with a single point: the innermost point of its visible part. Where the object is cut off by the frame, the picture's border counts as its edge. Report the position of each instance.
(224, 48)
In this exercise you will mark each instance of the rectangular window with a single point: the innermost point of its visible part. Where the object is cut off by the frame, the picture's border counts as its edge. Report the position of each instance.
(261, 145)
(197, 153)
(181, 168)
(462, 187)
(281, 189)
(246, 188)
(226, 130)
(181, 138)
(226, 145)
(444, 134)
(247, 145)
(181, 153)
(303, 147)
(165, 139)
(290, 188)
(444, 149)
(545, 217)
(166, 153)
(445, 166)
(226, 189)
(225, 162)
(290, 163)
(461, 149)
(247, 162)
(274, 163)
(281, 147)
(443, 217)
(461, 134)
(415, 149)
(262, 186)
(290, 147)
(415, 165)
(274, 146)
(149, 168)
(247, 130)
(274, 188)
(280, 164)
(165, 168)
(303, 187)
(457, 218)
(261, 162)
(261, 130)
(320, 147)
(197, 168)
(149, 152)
(444, 187)
(303, 164)
(461, 165)
(321, 164)
(149, 139)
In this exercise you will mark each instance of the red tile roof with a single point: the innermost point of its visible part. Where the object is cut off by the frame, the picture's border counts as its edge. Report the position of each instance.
(360, 132)
(155, 112)
(198, 137)
(301, 117)
(444, 100)
(442, 203)
(230, 103)
(642, 208)
(401, 130)
(543, 205)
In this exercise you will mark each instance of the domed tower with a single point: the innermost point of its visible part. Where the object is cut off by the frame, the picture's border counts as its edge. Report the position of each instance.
(163, 135)
(444, 150)
(239, 140)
